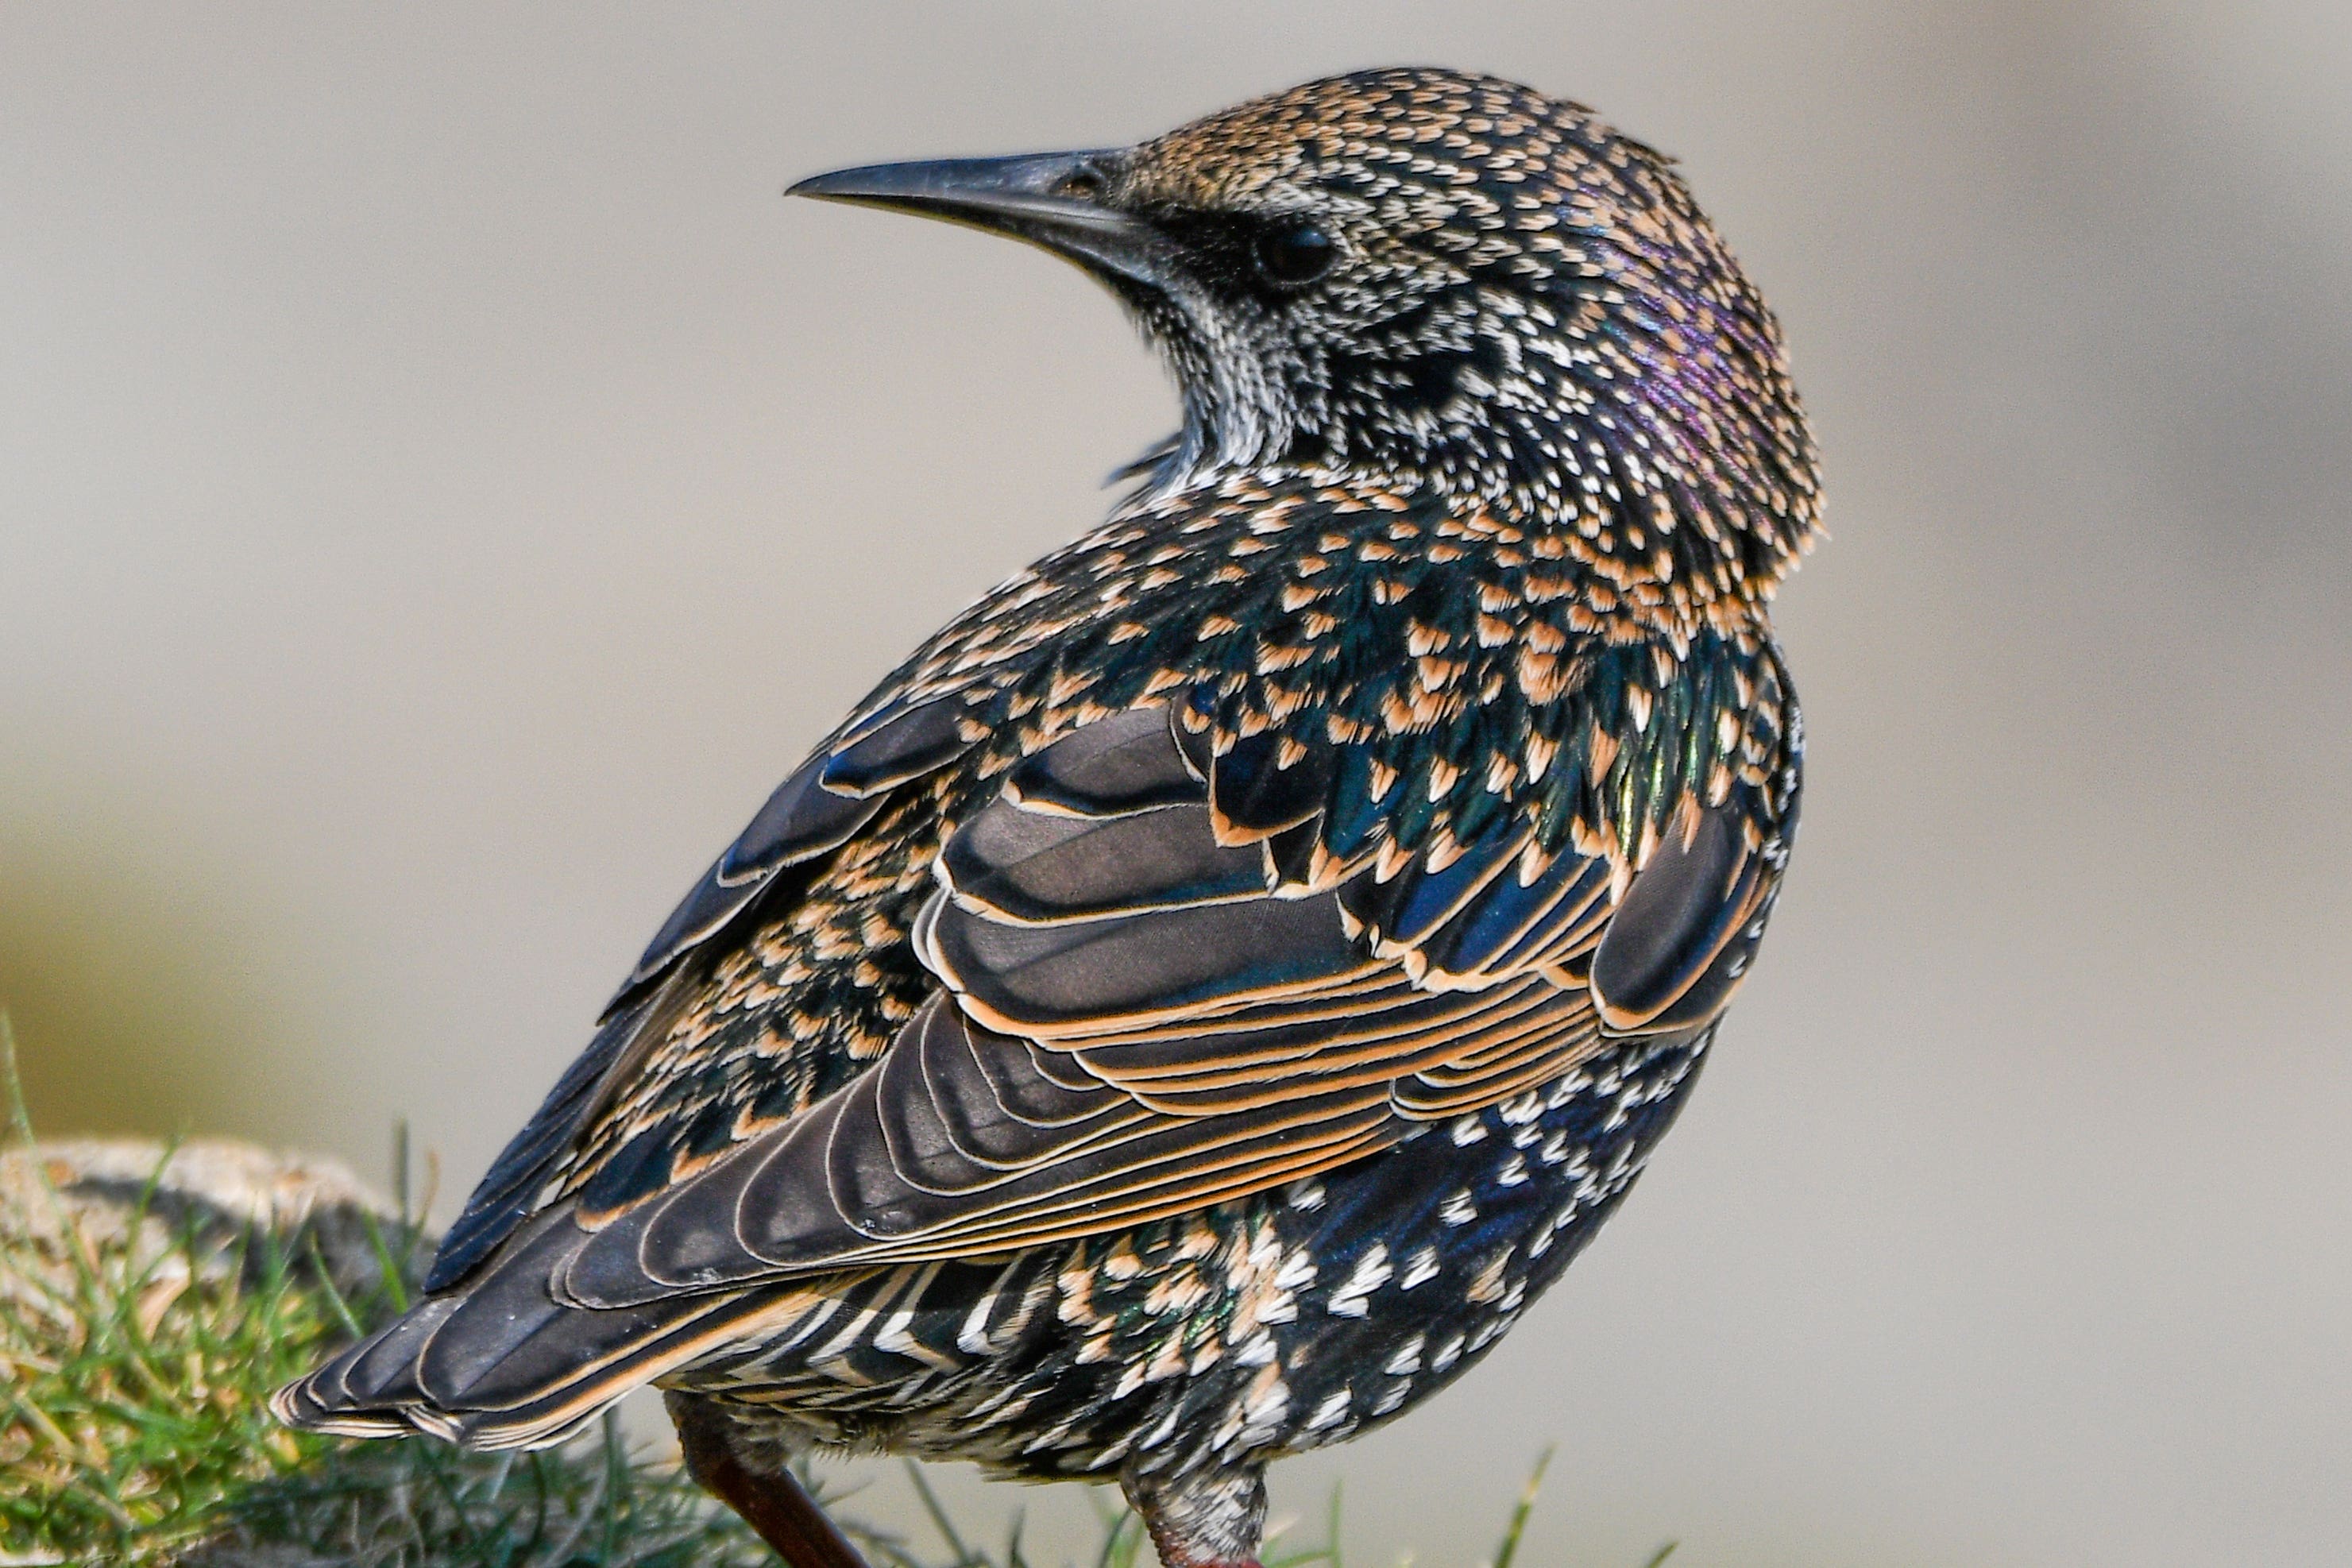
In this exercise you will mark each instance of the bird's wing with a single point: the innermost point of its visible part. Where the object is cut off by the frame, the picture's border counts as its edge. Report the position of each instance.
(1145, 1011)
(1159, 989)
(827, 799)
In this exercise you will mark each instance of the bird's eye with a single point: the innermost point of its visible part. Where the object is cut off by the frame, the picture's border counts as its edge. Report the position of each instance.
(1298, 253)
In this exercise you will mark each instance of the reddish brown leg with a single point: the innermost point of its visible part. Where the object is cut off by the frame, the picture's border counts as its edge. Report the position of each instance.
(1208, 1519)
(775, 1505)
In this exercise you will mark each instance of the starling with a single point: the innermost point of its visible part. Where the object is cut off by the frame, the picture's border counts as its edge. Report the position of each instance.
(1191, 1008)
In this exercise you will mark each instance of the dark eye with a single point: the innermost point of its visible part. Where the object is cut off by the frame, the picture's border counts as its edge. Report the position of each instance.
(1296, 254)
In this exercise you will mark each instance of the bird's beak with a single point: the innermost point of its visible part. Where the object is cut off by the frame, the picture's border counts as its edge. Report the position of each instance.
(1045, 198)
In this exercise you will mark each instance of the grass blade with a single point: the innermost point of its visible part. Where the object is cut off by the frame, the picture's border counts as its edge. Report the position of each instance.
(1526, 1505)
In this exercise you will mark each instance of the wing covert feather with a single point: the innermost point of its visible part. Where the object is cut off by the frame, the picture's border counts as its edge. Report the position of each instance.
(1136, 1020)
(828, 798)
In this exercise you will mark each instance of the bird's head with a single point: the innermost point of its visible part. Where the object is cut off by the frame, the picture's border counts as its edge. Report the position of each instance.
(1417, 277)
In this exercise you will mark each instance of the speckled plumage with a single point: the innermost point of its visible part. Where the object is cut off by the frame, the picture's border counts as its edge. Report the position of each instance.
(1194, 1003)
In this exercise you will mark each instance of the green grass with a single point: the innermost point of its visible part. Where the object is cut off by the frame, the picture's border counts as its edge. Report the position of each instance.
(134, 1430)
(134, 1386)
(591, 1504)
(135, 1392)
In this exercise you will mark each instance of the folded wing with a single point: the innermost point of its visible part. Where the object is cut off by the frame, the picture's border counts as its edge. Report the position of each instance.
(1159, 990)
(1142, 1014)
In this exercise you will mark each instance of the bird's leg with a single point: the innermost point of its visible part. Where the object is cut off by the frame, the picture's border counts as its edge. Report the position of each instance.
(1206, 1518)
(771, 1500)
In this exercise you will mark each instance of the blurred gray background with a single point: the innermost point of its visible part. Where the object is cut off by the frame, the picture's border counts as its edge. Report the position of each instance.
(442, 486)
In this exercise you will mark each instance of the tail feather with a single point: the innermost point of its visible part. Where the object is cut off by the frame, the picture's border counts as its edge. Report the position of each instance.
(504, 1365)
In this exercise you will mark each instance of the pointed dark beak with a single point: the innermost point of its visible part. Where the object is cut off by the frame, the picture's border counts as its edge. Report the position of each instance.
(1049, 199)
